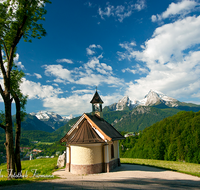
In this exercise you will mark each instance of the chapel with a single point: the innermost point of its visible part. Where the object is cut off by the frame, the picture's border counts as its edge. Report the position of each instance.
(92, 144)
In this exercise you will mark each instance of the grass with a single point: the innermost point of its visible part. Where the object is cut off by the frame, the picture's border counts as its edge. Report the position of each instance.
(45, 167)
(183, 167)
(47, 143)
(32, 170)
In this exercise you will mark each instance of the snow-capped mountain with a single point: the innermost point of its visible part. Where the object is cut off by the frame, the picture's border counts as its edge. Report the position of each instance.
(52, 119)
(122, 104)
(152, 98)
(46, 115)
(155, 97)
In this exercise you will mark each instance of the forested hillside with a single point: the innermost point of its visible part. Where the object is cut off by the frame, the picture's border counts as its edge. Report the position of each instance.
(174, 138)
(137, 119)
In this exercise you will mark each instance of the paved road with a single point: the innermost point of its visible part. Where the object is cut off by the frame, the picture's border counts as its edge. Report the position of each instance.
(125, 177)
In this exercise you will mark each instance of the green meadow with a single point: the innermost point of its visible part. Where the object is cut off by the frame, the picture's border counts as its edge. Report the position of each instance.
(183, 167)
(42, 169)
(32, 170)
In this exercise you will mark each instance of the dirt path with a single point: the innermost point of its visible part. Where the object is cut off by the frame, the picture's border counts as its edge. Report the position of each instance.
(125, 177)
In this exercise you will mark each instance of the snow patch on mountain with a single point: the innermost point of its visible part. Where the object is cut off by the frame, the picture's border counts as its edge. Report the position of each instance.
(46, 115)
(152, 98)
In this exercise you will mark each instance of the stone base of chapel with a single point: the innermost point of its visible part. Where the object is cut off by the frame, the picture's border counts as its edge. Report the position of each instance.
(93, 168)
(86, 169)
(111, 165)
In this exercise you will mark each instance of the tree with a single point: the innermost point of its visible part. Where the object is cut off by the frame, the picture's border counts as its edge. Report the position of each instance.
(20, 101)
(18, 18)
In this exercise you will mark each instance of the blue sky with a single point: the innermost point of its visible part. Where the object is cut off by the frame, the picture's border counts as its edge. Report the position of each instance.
(123, 47)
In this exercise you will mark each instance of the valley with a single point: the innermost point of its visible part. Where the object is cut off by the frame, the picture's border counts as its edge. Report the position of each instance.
(125, 116)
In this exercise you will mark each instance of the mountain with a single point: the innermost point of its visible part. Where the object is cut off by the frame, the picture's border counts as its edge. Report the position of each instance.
(31, 122)
(153, 98)
(139, 118)
(135, 116)
(52, 119)
(124, 103)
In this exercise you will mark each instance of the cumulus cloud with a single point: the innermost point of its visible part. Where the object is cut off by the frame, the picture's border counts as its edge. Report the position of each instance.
(91, 49)
(121, 11)
(76, 104)
(38, 76)
(136, 69)
(83, 91)
(94, 72)
(64, 61)
(181, 8)
(37, 90)
(18, 63)
(171, 57)
(58, 71)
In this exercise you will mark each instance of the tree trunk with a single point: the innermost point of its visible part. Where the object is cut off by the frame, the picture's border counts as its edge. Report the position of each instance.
(9, 137)
(17, 135)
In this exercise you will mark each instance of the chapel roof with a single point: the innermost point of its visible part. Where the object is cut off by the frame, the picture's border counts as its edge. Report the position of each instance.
(91, 129)
(85, 135)
(96, 98)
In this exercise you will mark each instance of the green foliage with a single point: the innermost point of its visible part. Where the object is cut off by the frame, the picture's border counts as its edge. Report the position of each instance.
(50, 149)
(20, 17)
(175, 138)
(36, 135)
(2, 118)
(64, 129)
(137, 119)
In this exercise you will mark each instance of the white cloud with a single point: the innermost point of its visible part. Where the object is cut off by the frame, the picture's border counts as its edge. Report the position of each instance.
(17, 63)
(136, 69)
(37, 91)
(172, 59)
(121, 11)
(58, 71)
(91, 48)
(38, 76)
(76, 104)
(89, 51)
(181, 8)
(140, 5)
(64, 61)
(168, 42)
(106, 67)
(92, 73)
(84, 91)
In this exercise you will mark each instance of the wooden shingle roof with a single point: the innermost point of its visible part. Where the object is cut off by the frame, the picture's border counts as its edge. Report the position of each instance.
(91, 129)
(85, 135)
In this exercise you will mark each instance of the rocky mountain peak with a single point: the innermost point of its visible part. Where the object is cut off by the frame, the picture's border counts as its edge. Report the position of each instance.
(152, 98)
(124, 102)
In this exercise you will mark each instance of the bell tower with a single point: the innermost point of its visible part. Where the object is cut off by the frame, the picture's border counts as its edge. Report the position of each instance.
(97, 105)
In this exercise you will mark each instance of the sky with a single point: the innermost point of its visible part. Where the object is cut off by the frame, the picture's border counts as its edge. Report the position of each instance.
(122, 47)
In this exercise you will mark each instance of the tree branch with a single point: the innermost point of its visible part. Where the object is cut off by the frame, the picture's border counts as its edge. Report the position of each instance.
(1, 92)
(16, 40)
(3, 127)
(1, 64)
(5, 48)
(18, 36)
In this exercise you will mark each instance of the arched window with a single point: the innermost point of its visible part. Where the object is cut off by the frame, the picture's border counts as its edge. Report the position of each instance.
(112, 151)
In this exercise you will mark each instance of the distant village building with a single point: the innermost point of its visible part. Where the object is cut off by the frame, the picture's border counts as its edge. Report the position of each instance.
(23, 149)
(36, 151)
(129, 134)
(92, 143)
